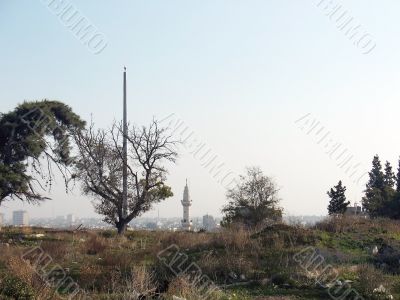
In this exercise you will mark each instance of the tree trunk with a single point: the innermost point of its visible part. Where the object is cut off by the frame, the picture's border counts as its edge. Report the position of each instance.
(121, 227)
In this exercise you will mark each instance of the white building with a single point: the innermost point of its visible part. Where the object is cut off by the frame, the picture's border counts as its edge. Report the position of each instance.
(70, 219)
(20, 218)
(209, 223)
(186, 203)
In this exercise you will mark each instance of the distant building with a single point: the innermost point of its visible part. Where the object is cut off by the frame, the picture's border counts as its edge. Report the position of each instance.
(209, 223)
(186, 203)
(20, 218)
(1, 219)
(356, 210)
(60, 218)
(151, 226)
(70, 219)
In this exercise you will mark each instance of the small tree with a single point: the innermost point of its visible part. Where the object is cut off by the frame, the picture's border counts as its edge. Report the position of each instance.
(338, 203)
(253, 200)
(100, 168)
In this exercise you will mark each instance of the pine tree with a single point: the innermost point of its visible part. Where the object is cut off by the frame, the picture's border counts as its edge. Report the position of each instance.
(389, 177)
(398, 178)
(395, 203)
(376, 176)
(338, 203)
(377, 195)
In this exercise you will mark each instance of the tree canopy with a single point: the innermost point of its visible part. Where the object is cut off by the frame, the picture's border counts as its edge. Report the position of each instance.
(253, 200)
(31, 132)
(338, 203)
(382, 193)
(100, 166)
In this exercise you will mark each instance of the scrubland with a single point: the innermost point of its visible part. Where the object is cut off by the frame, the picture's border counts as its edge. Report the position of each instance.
(344, 258)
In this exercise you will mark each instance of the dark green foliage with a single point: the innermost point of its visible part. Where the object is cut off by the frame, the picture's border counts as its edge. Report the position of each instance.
(338, 203)
(394, 206)
(374, 200)
(253, 200)
(395, 202)
(24, 134)
(381, 198)
(398, 178)
(376, 176)
(389, 177)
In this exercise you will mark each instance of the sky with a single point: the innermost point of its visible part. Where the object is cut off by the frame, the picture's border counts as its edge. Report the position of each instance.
(246, 77)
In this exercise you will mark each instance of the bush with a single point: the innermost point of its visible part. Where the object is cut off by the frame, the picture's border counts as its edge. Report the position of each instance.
(108, 234)
(16, 288)
(95, 245)
(370, 279)
(56, 249)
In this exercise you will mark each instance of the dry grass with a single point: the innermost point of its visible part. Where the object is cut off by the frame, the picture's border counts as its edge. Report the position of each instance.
(95, 244)
(181, 286)
(236, 238)
(185, 240)
(352, 224)
(370, 278)
(141, 281)
(118, 259)
(56, 249)
(109, 267)
(25, 273)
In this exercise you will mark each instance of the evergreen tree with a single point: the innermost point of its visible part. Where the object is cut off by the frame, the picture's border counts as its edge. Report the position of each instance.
(395, 203)
(389, 193)
(377, 195)
(389, 177)
(338, 203)
(398, 178)
(376, 176)
(35, 137)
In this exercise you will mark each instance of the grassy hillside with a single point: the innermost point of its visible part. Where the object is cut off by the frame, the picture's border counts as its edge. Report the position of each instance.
(343, 258)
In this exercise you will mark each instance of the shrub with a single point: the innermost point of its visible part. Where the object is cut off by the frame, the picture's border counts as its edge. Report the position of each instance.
(91, 277)
(95, 245)
(16, 288)
(108, 234)
(369, 279)
(121, 259)
(181, 286)
(141, 281)
(56, 249)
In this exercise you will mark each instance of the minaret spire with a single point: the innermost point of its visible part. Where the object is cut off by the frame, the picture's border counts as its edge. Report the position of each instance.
(186, 203)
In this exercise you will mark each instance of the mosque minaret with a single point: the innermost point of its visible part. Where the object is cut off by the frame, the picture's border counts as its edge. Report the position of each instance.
(186, 203)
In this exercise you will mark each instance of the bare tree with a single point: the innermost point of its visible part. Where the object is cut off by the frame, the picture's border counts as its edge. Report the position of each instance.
(100, 164)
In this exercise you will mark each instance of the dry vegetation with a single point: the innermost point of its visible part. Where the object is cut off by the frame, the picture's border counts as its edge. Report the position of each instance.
(243, 264)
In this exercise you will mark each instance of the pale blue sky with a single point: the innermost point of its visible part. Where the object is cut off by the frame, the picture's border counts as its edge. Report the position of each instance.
(239, 73)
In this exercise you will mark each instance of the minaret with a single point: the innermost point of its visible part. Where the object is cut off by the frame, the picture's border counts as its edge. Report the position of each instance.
(186, 203)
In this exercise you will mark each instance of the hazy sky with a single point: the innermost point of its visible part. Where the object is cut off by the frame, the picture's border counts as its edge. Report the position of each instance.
(238, 73)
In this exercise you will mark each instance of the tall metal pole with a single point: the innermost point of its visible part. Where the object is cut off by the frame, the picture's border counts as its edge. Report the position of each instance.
(125, 157)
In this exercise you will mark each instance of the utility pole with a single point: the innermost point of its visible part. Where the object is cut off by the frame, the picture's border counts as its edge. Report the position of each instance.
(125, 157)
